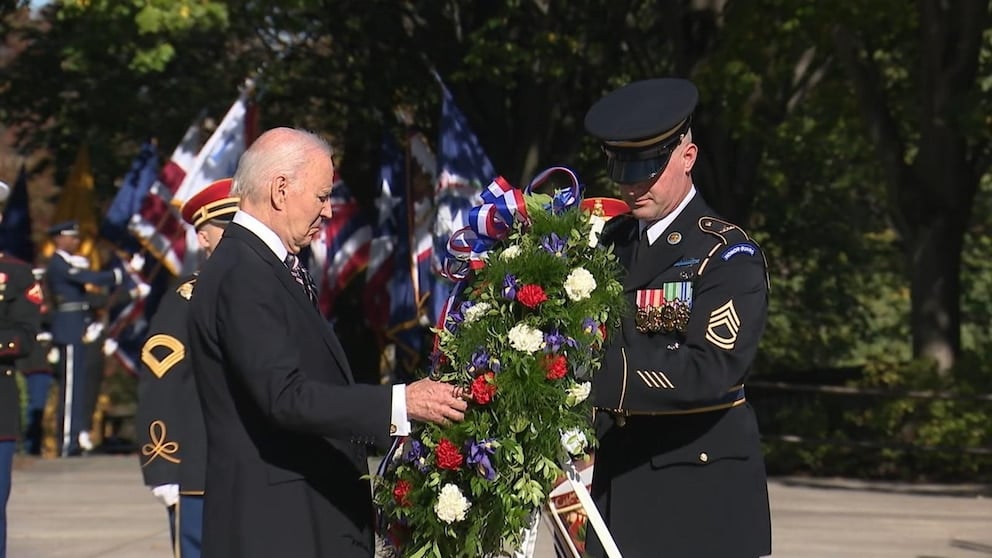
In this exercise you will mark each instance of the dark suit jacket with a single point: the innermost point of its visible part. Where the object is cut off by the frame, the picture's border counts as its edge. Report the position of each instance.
(286, 424)
(679, 471)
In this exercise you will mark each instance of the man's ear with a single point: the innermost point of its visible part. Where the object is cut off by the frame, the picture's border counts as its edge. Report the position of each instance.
(689, 157)
(279, 191)
(202, 239)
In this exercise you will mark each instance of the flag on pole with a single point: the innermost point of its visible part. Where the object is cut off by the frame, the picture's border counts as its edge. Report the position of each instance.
(15, 229)
(128, 200)
(76, 202)
(423, 176)
(390, 300)
(216, 160)
(464, 170)
(158, 226)
(340, 252)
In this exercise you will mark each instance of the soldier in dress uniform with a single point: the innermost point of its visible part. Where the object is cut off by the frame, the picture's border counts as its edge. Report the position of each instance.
(37, 369)
(171, 433)
(679, 471)
(67, 276)
(20, 320)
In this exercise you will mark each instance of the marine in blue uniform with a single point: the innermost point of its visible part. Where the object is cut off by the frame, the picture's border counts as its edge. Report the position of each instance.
(67, 276)
(679, 471)
(20, 320)
(171, 433)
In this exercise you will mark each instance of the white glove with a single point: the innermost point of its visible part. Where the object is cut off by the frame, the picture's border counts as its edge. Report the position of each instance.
(43, 337)
(141, 290)
(109, 346)
(92, 332)
(137, 262)
(168, 494)
(53, 355)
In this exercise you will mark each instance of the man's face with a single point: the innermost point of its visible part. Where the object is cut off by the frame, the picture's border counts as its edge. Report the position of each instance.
(67, 243)
(655, 198)
(309, 202)
(208, 236)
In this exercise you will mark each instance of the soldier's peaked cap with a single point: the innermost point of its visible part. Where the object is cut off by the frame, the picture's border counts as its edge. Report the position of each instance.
(67, 228)
(213, 203)
(640, 125)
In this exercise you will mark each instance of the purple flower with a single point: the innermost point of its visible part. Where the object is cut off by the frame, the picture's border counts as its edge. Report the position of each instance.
(590, 326)
(554, 340)
(479, 362)
(494, 364)
(416, 455)
(509, 287)
(478, 455)
(554, 244)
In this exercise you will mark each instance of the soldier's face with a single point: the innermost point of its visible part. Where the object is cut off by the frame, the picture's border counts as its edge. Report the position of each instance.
(311, 201)
(653, 199)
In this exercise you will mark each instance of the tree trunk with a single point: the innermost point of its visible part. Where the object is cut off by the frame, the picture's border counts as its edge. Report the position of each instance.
(934, 261)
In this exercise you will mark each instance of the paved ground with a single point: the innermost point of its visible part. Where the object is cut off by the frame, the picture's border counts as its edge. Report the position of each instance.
(95, 507)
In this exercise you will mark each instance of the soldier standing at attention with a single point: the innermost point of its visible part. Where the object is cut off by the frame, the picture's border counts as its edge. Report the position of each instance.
(171, 434)
(67, 276)
(20, 320)
(679, 471)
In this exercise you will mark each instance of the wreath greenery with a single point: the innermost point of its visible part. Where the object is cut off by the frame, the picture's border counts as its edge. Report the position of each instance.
(523, 337)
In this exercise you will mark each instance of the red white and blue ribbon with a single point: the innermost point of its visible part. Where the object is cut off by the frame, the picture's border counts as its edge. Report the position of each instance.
(564, 198)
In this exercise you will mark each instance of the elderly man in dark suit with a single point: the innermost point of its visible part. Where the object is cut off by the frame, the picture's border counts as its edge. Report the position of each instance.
(679, 471)
(287, 426)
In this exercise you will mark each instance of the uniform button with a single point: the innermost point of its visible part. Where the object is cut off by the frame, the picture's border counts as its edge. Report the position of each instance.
(9, 372)
(392, 429)
(11, 344)
(703, 457)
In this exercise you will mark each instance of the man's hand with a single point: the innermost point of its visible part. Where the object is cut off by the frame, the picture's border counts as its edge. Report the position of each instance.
(430, 401)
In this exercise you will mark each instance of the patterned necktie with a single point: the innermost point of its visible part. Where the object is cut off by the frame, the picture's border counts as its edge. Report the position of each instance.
(302, 277)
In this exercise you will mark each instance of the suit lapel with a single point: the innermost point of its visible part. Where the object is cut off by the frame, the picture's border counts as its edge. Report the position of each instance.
(653, 260)
(299, 296)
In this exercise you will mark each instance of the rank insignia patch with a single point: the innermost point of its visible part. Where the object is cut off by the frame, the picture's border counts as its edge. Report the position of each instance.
(161, 352)
(664, 310)
(723, 326)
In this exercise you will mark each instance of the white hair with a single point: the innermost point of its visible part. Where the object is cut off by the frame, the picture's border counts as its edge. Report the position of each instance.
(279, 151)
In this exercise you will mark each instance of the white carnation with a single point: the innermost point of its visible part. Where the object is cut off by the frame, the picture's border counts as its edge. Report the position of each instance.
(574, 441)
(476, 311)
(451, 505)
(510, 253)
(578, 393)
(579, 284)
(525, 338)
(597, 223)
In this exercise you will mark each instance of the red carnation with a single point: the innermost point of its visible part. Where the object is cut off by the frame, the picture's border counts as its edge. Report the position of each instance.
(448, 456)
(556, 365)
(401, 492)
(531, 296)
(602, 331)
(483, 388)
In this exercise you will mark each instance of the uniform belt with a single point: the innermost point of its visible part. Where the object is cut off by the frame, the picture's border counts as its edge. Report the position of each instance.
(734, 397)
(72, 307)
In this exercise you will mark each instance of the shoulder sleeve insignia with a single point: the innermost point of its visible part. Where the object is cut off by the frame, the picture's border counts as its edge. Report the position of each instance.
(186, 289)
(723, 326)
(174, 352)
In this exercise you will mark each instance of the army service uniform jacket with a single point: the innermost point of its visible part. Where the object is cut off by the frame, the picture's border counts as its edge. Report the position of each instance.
(679, 471)
(171, 436)
(20, 320)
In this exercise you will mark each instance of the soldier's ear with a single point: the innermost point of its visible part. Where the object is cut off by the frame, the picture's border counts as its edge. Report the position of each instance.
(689, 157)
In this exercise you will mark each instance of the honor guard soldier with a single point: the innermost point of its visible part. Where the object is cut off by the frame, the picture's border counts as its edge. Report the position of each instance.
(171, 433)
(20, 321)
(679, 470)
(67, 276)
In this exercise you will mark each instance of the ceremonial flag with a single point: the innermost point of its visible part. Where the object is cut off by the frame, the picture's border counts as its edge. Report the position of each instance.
(76, 202)
(464, 170)
(390, 300)
(128, 200)
(158, 227)
(340, 252)
(423, 167)
(15, 229)
(217, 159)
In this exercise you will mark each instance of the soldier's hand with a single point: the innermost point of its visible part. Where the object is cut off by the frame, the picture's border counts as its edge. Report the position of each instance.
(437, 402)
